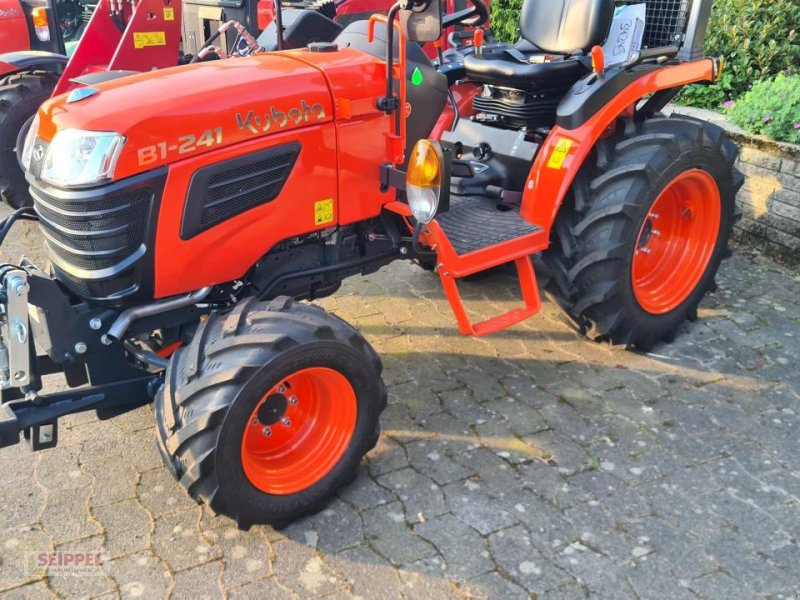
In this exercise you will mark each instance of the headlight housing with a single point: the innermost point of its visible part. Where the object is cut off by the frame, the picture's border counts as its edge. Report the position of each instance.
(424, 180)
(30, 141)
(77, 158)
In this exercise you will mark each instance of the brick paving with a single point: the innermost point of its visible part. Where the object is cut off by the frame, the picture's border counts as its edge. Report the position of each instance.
(530, 463)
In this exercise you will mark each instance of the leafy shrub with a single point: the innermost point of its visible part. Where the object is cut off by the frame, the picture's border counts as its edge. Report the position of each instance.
(757, 39)
(505, 19)
(771, 108)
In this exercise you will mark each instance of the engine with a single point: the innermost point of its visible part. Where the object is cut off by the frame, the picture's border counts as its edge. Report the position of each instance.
(518, 108)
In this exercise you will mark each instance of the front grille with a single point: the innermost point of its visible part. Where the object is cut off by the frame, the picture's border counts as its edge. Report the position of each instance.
(665, 22)
(236, 190)
(94, 234)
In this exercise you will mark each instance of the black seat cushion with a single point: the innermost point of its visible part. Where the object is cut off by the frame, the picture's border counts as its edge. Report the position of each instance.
(548, 27)
(566, 26)
(503, 69)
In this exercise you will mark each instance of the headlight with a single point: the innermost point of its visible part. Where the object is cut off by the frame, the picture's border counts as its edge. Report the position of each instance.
(30, 140)
(424, 180)
(78, 158)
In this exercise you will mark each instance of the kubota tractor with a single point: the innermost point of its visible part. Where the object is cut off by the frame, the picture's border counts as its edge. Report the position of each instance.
(188, 213)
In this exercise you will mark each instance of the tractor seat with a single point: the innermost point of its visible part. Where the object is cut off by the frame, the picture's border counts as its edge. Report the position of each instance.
(555, 35)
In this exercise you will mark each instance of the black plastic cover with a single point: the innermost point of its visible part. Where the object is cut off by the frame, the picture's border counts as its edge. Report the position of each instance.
(566, 26)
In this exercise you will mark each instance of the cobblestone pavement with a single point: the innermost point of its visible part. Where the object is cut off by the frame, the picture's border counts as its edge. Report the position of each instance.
(530, 462)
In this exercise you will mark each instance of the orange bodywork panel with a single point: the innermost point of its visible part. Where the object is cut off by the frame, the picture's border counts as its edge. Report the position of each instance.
(564, 151)
(14, 33)
(356, 82)
(225, 252)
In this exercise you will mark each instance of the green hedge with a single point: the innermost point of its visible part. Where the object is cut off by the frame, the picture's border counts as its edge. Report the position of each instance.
(771, 108)
(756, 38)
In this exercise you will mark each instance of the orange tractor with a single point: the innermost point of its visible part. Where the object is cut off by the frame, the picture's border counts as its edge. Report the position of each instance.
(187, 213)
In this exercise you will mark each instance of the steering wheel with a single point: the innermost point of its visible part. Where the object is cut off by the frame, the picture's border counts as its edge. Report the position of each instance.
(475, 16)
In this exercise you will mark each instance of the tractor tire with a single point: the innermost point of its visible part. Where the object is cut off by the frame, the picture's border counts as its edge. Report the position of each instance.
(624, 272)
(269, 410)
(21, 94)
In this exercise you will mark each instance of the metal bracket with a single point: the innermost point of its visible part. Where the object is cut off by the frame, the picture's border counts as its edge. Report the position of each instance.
(16, 329)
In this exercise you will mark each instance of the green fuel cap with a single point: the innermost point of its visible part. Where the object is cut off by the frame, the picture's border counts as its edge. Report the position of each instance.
(416, 77)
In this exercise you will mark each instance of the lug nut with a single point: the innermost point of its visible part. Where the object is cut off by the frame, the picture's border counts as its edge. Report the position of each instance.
(255, 421)
(653, 216)
(281, 389)
(646, 250)
(266, 432)
(655, 232)
(287, 422)
(292, 399)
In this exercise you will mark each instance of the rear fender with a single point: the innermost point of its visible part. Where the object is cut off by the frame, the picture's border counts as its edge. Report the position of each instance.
(584, 121)
(25, 60)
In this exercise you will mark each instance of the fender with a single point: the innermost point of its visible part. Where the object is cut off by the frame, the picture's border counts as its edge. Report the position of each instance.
(13, 62)
(564, 151)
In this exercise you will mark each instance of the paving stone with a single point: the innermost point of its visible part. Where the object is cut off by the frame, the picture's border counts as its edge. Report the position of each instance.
(477, 507)
(18, 550)
(266, 589)
(451, 537)
(141, 575)
(387, 531)
(299, 568)
(493, 585)
(247, 555)
(126, 526)
(89, 586)
(369, 575)
(419, 494)
(178, 542)
(199, 583)
(33, 591)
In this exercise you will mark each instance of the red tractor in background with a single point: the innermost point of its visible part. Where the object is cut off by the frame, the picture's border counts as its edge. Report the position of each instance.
(188, 213)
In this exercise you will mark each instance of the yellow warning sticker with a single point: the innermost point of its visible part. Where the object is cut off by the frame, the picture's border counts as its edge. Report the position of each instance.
(169, 13)
(559, 154)
(323, 211)
(144, 39)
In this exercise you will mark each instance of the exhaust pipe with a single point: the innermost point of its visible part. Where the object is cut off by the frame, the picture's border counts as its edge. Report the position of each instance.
(118, 329)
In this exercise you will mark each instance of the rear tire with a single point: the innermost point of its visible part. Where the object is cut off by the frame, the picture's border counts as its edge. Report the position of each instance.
(220, 385)
(603, 230)
(21, 94)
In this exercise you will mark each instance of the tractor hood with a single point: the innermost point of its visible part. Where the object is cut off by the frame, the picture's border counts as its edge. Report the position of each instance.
(175, 113)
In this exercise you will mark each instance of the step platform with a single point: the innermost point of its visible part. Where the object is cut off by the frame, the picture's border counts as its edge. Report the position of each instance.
(478, 234)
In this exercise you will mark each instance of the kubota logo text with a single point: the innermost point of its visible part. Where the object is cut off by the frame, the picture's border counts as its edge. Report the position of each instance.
(257, 122)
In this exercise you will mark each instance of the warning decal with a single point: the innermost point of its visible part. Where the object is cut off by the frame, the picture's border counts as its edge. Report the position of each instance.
(143, 39)
(323, 211)
(169, 13)
(559, 154)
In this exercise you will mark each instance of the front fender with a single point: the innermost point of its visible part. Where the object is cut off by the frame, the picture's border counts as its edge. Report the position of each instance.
(569, 143)
(13, 62)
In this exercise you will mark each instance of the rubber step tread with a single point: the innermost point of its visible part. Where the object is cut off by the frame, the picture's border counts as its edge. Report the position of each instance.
(475, 223)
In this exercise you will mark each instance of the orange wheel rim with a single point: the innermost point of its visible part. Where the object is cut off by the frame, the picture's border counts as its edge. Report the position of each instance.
(676, 242)
(299, 430)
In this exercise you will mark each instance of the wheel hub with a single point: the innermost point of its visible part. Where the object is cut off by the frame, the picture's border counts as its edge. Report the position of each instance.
(272, 409)
(299, 431)
(669, 261)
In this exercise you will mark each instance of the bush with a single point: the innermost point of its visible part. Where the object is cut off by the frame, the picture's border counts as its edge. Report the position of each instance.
(505, 19)
(771, 108)
(757, 39)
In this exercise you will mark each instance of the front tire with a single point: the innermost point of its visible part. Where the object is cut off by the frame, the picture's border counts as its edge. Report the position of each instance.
(269, 410)
(21, 94)
(640, 242)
